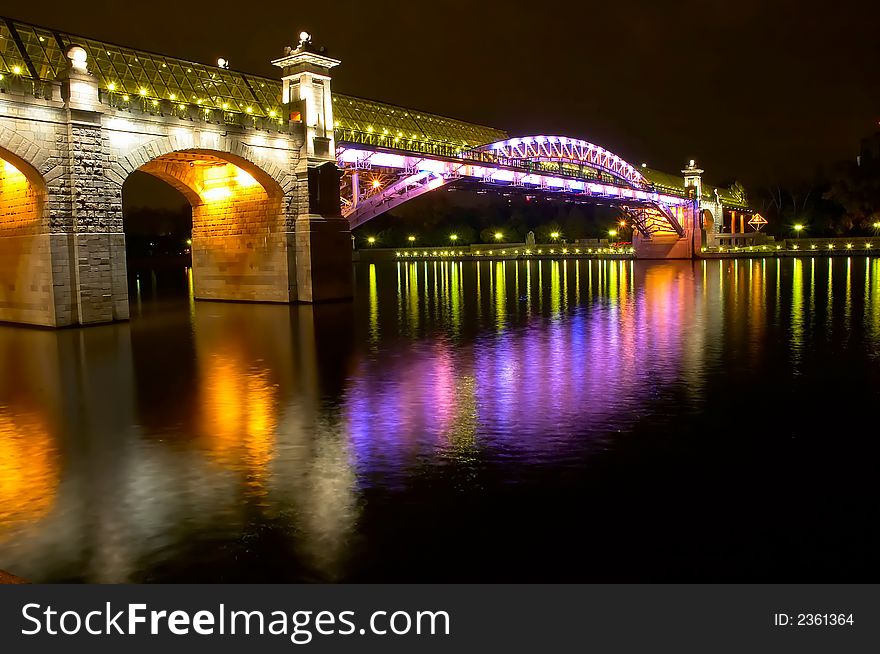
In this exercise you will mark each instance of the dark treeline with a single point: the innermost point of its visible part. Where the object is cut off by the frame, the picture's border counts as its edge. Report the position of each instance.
(476, 218)
(844, 200)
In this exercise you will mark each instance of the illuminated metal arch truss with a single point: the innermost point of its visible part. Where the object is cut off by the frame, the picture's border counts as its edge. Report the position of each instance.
(579, 155)
(376, 181)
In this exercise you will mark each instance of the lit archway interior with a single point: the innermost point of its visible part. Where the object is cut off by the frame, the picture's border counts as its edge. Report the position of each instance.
(708, 221)
(237, 221)
(26, 287)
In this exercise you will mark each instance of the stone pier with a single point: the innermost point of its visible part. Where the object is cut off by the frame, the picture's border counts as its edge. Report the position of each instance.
(264, 192)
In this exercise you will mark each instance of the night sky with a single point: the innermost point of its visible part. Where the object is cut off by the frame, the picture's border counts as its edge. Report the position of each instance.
(764, 92)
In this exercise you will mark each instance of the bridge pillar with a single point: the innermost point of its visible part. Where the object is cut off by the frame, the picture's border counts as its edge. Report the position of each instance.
(322, 237)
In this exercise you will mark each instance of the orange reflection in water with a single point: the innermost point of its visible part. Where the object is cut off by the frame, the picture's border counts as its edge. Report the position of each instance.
(239, 415)
(29, 469)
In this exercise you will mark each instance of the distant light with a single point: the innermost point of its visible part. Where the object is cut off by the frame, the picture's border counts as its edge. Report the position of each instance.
(173, 96)
(554, 235)
(622, 223)
(143, 92)
(411, 238)
(376, 183)
(16, 70)
(189, 241)
(250, 110)
(304, 37)
(111, 86)
(849, 246)
(371, 240)
(612, 232)
(125, 97)
(644, 165)
(498, 236)
(222, 63)
(798, 227)
(453, 237)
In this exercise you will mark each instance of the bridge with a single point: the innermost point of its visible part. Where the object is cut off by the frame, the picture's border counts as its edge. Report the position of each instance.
(278, 172)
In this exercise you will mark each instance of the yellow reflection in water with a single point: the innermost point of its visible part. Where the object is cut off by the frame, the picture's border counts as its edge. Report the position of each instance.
(374, 306)
(797, 307)
(29, 470)
(555, 288)
(239, 415)
(500, 295)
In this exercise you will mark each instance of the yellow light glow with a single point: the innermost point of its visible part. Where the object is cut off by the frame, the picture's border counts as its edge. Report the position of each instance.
(371, 240)
(244, 178)
(453, 237)
(143, 92)
(111, 86)
(10, 169)
(16, 70)
(498, 236)
(217, 193)
(376, 183)
(173, 96)
(411, 238)
(250, 110)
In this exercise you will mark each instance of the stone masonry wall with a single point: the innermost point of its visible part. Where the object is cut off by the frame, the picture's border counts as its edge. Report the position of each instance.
(259, 242)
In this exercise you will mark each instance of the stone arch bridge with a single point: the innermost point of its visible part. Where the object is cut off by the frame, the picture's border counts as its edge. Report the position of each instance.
(277, 173)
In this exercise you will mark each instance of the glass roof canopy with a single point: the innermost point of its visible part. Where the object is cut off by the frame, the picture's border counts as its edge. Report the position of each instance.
(38, 53)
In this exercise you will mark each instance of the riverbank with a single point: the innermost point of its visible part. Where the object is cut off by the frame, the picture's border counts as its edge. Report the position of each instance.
(826, 247)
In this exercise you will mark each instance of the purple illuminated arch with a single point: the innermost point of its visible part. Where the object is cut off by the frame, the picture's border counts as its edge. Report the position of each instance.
(565, 150)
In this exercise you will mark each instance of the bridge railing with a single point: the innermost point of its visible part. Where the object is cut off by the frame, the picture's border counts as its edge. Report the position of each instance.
(29, 87)
(191, 112)
(393, 142)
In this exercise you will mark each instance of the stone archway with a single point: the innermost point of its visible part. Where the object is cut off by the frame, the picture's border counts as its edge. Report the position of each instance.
(240, 238)
(708, 221)
(27, 288)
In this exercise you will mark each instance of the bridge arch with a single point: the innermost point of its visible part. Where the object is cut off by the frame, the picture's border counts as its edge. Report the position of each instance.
(26, 283)
(565, 151)
(239, 216)
(708, 221)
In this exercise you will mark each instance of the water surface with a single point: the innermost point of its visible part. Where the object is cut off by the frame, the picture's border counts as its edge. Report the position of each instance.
(459, 421)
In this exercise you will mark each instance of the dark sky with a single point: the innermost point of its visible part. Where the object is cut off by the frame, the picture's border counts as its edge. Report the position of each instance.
(759, 91)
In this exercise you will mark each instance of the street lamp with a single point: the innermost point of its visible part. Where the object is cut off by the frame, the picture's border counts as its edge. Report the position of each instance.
(554, 235)
(612, 233)
(877, 224)
(411, 239)
(798, 229)
(498, 236)
(371, 240)
(453, 237)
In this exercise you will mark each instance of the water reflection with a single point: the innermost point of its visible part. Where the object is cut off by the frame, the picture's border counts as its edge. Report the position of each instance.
(212, 441)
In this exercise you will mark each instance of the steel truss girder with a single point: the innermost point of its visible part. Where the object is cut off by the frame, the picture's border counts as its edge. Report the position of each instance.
(653, 218)
(402, 167)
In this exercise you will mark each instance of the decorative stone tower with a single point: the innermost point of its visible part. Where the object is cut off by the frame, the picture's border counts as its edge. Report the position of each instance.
(322, 235)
